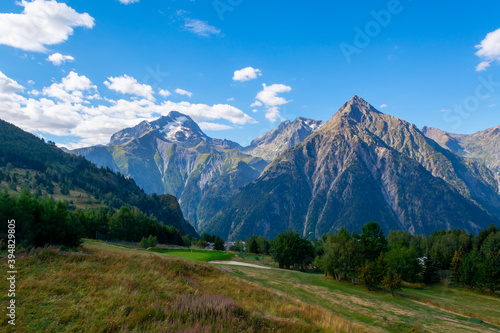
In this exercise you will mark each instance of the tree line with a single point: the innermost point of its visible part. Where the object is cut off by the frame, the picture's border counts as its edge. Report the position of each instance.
(42, 220)
(379, 261)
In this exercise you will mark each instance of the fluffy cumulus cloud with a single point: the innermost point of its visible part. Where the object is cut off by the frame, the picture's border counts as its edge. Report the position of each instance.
(8, 86)
(183, 92)
(41, 23)
(58, 59)
(73, 108)
(128, 85)
(246, 74)
(164, 93)
(488, 50)
(200, 28)
(201, 112)
(71, 89)
(268, 97)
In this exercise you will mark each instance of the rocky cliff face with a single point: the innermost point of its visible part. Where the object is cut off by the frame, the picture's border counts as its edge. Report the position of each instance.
(287, 135)
(362, 166)
(173, 156)
(483, 146)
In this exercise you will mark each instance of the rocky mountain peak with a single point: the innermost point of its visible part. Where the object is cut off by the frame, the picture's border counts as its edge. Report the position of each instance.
(179, 128)
(357, 108)
(286, 135)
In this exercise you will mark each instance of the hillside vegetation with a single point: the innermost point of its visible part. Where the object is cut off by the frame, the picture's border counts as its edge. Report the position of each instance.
(113, 289)
(108, 288)
(28, 162)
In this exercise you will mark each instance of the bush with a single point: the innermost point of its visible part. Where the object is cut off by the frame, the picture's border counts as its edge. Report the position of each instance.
(289, 249)
(151, 241)
(218, 244)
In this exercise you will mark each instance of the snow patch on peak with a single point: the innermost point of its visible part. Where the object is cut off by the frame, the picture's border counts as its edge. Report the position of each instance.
(181, 119)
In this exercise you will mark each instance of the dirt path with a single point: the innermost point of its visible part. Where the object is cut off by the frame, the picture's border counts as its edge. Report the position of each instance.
(236, 263)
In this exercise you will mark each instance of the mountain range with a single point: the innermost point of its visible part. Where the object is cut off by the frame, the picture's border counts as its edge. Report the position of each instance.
(173, 156)
(363, 165)
(312, 176)
(483, 146)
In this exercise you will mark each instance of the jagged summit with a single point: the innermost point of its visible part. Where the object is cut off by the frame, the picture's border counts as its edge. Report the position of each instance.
(286, 135)
(357, 108)
(176, 128)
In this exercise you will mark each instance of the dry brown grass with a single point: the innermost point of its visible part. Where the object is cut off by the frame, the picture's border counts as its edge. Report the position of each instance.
(117, 290)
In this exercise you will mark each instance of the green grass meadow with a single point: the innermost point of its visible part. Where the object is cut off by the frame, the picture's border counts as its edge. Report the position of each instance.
(431, 309)
(112, 288)
(200, 255)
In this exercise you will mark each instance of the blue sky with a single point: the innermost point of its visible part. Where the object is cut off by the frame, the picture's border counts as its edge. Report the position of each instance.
(110, 60)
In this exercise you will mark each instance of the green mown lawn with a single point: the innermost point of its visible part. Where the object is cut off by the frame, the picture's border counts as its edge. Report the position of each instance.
(200, 255)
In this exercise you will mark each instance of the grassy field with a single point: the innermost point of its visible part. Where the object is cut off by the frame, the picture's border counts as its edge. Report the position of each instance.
(117, 289)
(431, 309)
(111, 288)
(200, 255)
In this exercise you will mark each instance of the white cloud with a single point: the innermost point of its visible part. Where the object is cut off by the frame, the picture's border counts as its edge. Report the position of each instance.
(492, 105)
(128, 2)
(58, 59)
(230, 99)
(214, 126)
(71, 88)
(444, 110)
(183, 92)
(483, 65)
(72, 108)
(128, 85)
(489, 50)
(8, 86)
(200, 28)
(383, 106)
(41, 23)
(270, 99)
(246, 74)
(164, 93)
(201, 112)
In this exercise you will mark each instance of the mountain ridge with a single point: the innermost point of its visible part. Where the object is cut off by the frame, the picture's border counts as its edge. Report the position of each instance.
(343, 169)
(483, 146)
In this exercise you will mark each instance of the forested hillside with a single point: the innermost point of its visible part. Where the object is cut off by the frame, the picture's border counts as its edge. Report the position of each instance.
(54, 168)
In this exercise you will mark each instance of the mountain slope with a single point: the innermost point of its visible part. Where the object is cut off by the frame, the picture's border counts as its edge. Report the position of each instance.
(25, 151)
(483, 146)
(173, 156)
(470, 178)
(346, 175)
(286, 135)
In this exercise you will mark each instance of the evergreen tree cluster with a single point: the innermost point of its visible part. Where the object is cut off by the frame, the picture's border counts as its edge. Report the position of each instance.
(379, 261)
(257, 245)
(41, 221)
